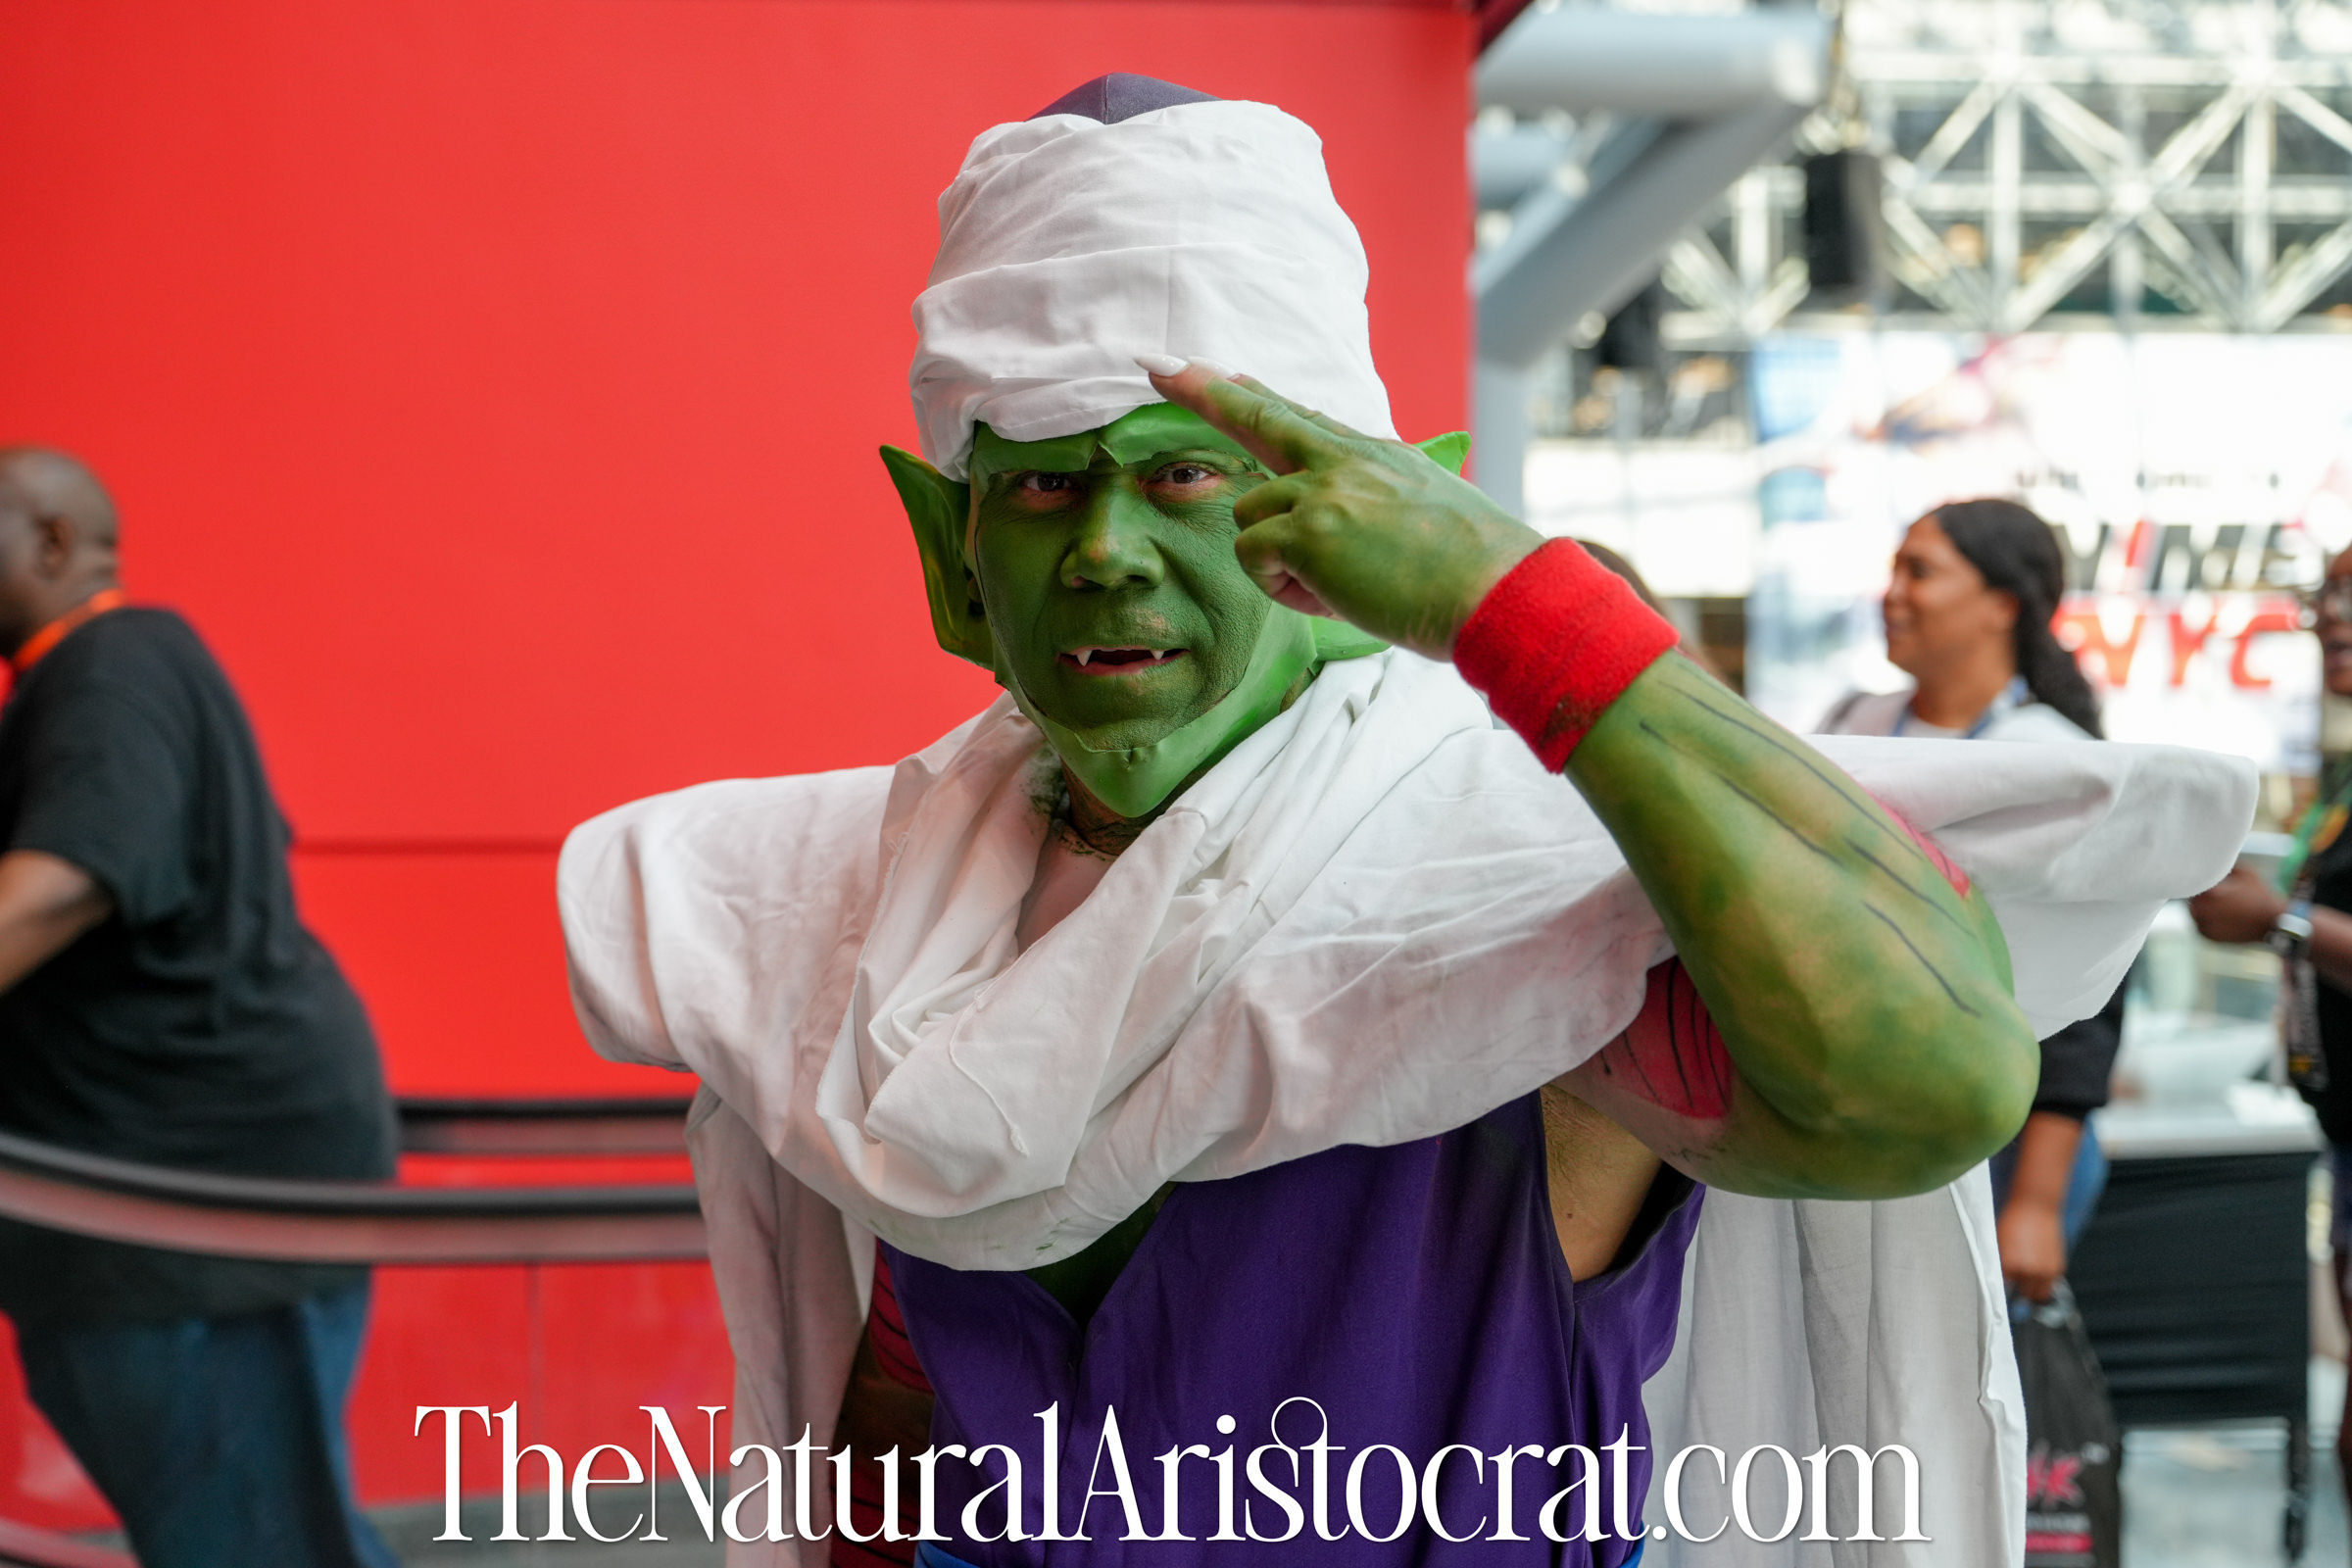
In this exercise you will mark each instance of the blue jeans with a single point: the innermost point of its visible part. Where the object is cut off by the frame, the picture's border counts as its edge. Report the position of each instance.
(218, 1440)
(2083, 1185)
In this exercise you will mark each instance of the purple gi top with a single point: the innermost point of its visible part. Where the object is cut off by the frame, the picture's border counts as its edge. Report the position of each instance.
(1415, 1294)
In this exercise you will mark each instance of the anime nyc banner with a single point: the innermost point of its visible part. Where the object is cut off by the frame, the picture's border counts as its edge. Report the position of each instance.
(2196, 481)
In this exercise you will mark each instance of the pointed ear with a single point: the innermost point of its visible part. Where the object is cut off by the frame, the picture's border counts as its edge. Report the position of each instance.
(1335, 639)
(1448, 451)
(936, 506)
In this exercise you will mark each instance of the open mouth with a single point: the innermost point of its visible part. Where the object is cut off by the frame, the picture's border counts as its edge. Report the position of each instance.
(1118, 661)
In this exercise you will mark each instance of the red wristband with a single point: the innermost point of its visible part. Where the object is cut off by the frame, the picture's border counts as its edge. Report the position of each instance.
(1556, 642)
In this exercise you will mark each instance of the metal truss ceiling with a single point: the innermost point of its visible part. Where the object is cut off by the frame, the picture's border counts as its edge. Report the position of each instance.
(2129, 159)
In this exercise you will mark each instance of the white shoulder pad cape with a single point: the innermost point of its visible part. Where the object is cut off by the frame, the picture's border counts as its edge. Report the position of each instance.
(1375, 920)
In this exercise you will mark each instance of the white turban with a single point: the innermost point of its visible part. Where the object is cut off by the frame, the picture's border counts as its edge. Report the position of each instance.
(1067, 247)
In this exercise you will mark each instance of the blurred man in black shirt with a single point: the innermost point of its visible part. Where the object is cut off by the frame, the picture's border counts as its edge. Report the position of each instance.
(161, 1002)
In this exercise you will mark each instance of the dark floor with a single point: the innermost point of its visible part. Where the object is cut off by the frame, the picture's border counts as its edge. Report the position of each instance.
(2214, 1498)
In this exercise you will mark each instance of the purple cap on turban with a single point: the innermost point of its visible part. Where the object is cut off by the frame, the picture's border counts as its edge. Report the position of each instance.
(1121, 95)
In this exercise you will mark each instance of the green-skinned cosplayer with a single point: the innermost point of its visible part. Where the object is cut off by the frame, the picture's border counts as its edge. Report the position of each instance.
(1363, 1043)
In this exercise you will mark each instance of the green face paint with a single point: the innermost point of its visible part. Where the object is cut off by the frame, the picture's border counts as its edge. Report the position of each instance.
(1131, 438)
(1121, 623)
(1116, 541)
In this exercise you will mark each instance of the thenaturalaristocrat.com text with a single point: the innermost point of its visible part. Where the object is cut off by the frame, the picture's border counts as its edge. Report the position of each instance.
(1277, 1490)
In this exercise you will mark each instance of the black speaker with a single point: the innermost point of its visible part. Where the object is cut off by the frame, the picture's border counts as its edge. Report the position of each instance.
(1842, 226)
(1632, 341)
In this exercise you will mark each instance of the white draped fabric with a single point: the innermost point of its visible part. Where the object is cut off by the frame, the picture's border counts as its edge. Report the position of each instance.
(1067, 247)
(1373, 921)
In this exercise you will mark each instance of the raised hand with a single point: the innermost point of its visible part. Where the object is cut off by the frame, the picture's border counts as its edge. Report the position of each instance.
(1371, 531)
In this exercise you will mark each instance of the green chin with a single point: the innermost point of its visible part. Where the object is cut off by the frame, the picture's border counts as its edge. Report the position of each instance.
(1134, 780)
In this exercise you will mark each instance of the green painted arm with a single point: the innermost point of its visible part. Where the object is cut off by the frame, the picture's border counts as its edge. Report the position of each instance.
(1864, 1004)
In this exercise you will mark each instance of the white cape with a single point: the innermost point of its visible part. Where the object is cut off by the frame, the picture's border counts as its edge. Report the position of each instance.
(1373, 921)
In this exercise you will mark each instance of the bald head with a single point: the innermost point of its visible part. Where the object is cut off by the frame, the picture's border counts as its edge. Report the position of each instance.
(50, 484)
(57, 539)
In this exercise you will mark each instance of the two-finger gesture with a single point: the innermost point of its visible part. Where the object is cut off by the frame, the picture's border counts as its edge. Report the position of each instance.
(1374, 532)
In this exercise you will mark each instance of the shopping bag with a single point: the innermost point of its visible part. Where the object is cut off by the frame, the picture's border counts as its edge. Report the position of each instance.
(2074, 1454)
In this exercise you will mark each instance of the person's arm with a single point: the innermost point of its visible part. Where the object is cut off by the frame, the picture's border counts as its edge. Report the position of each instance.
(2031, 1231)
(1860, 998)
(2242, 907)
(1861, 1040)
(45, 903)
(2077, 1064)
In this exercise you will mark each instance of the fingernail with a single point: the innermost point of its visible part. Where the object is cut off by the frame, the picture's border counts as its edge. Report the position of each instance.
(1222, 372)
(1160, 363)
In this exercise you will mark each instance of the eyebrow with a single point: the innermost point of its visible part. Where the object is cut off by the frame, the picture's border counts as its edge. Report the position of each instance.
(1206, 456)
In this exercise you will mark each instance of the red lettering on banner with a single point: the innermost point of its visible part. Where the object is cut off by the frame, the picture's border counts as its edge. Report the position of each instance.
(2262, 624)
(2088, 640)
(2188, 644)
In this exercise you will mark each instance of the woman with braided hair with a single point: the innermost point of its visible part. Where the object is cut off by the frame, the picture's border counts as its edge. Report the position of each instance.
(1968, 609)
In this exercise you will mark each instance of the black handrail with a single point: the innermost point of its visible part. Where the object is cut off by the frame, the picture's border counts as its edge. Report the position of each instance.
(340, 1221)
(643, 1125)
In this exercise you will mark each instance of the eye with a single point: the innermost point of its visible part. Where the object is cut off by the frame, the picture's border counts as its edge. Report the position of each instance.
(1186, 476)
(1048, 492)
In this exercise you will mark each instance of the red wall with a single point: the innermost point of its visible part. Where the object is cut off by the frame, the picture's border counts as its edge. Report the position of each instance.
(496, 385)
